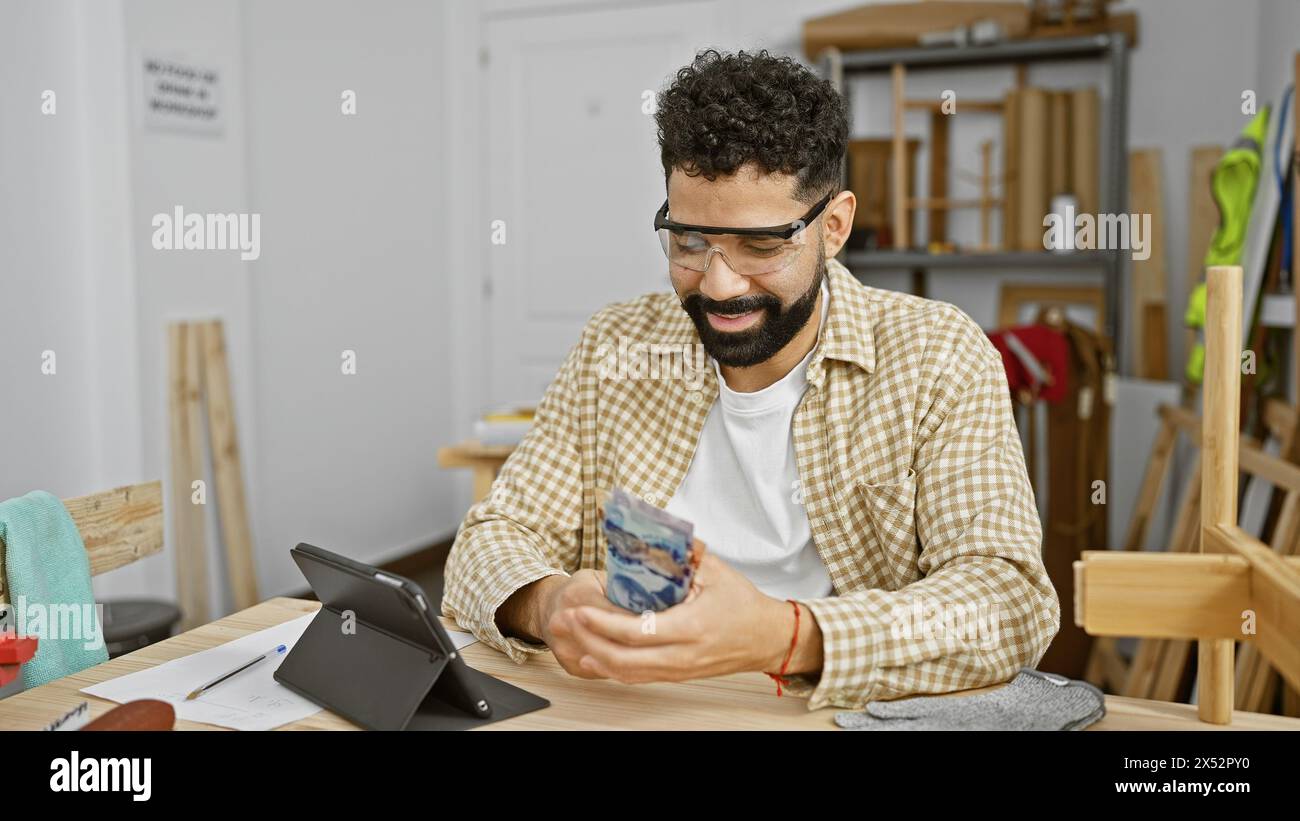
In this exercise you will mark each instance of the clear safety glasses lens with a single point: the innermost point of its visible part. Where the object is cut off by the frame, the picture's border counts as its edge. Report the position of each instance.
(746, 255)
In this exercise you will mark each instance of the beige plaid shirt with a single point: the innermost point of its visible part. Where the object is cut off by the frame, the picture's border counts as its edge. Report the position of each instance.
(911, 473)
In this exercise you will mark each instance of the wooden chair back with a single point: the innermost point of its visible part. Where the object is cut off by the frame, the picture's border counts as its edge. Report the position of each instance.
(118, 527)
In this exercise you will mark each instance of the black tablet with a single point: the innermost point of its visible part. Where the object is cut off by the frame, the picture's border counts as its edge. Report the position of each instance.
(377, 654)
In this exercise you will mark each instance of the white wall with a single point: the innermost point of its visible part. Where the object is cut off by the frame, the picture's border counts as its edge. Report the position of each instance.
(1276, 46)
(351, 258)
(48, 438)
(204, 174)
(354, 260)
(42, 277)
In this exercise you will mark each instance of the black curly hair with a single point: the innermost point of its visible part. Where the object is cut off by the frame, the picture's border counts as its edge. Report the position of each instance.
(726, 110)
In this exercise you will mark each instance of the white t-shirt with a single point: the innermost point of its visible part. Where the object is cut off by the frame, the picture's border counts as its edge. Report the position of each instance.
(742, 491)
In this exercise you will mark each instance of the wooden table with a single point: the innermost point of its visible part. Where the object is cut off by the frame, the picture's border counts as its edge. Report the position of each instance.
(483, 460)
(744, 701)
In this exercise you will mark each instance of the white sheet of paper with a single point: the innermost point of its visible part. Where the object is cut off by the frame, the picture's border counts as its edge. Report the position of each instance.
(252, 700)
(460, 639)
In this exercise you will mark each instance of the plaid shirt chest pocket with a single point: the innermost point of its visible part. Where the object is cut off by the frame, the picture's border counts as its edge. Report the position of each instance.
(878, 524)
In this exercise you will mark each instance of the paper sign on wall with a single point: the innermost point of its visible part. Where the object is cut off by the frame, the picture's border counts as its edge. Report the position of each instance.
(180, 95)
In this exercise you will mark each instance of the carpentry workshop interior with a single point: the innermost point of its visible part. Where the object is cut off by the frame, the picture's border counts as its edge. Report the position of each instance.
(308, 320)
(985, 174)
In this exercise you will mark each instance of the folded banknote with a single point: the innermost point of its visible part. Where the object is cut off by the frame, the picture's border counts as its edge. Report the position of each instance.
(651, 556)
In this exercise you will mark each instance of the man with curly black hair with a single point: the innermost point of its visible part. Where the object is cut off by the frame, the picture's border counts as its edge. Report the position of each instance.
(740, 137)
(849, 457)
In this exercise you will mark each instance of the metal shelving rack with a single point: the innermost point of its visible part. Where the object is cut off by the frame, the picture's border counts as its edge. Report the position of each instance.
(1111, 47)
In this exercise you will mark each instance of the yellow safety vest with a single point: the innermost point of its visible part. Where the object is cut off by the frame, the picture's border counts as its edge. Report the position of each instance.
(1233, 186)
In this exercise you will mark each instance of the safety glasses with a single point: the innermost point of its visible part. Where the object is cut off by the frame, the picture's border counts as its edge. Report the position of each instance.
(748, 251)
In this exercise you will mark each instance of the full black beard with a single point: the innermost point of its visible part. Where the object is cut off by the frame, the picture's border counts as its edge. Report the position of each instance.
(743, 349)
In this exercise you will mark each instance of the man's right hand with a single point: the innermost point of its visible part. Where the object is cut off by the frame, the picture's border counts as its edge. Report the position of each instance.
(559, 628)
(544, 610)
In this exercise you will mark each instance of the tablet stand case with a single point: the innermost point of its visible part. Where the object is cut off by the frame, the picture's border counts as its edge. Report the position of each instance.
(376, 678)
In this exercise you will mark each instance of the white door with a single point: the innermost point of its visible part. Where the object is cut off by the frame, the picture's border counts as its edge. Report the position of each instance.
(572, 169)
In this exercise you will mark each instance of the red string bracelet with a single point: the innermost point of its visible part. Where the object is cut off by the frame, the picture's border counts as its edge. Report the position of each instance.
(779, 678)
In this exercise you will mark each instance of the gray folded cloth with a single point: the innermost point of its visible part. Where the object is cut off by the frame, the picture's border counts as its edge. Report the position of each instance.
(1032, 701)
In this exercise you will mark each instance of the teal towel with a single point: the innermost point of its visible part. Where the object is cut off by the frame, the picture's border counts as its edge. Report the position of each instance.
(48, 574)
